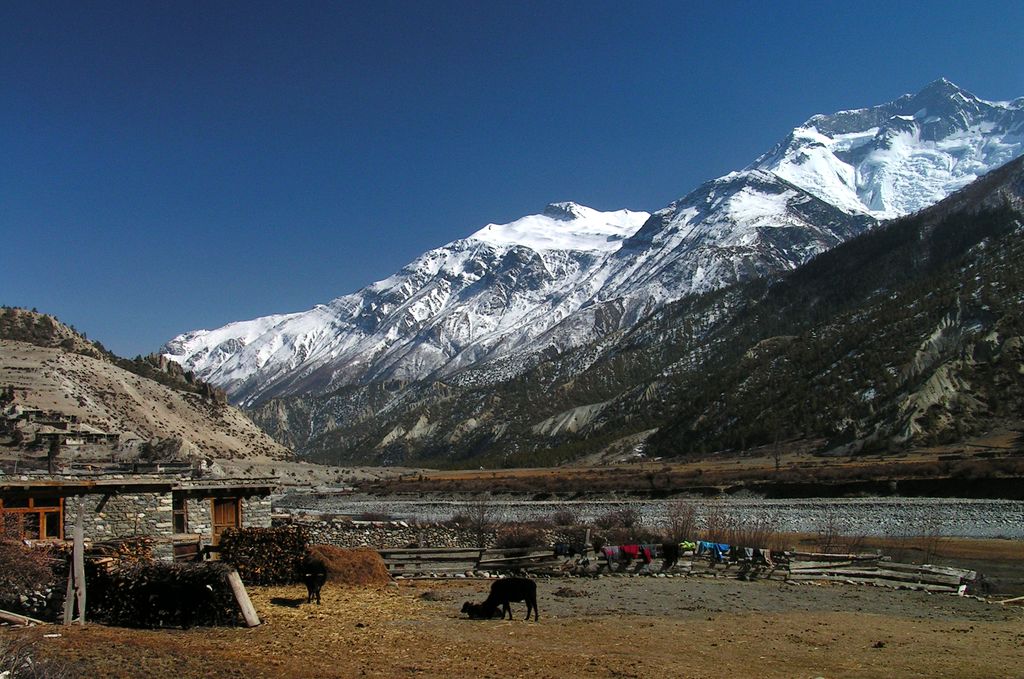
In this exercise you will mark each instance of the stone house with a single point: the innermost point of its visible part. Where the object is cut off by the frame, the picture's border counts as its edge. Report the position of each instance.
(180, 514)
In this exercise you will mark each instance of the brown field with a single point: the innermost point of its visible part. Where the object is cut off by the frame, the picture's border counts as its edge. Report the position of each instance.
(598, 627)
(998, 457)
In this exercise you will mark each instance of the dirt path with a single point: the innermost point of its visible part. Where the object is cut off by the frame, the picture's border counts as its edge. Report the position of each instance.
(607, 627)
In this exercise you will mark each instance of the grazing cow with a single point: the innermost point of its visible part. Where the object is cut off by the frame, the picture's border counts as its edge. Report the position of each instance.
(507, 590)
(314, 574)
(481, 612)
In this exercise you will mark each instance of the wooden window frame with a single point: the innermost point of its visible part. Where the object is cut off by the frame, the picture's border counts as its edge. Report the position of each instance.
(41, 512)
(179, 513)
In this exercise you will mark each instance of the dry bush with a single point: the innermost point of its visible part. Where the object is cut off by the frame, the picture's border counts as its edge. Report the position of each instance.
(23, 568)
(624, 518)
(834, 535)
(624, 526)
(564, 517)
(18, 660)
(717, 523)
(756, 531)
(519, 535)
(681, 521)
(362, 566)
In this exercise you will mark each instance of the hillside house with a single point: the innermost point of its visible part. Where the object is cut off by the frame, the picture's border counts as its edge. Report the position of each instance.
(181, 515)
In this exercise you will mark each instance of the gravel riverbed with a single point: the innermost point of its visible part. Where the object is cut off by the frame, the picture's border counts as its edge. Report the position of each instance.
(878, 516)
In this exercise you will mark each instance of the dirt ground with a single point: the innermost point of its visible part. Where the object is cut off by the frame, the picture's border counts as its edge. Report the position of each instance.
(599, 627)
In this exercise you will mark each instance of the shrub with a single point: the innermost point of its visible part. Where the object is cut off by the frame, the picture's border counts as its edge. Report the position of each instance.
(681, 521)
(564, 517)
(519, 535)
(24, 569)
(18, 660)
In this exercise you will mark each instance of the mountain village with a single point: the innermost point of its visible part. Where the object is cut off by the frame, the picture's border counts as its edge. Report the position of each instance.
(601, 413)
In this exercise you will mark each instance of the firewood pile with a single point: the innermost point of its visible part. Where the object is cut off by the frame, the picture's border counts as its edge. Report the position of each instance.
(162, 594)
(265, 556)
(114, 554)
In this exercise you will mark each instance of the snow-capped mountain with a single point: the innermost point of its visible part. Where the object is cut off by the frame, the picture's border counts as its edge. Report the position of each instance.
(451, 307)
(897, 158)
(504, 297)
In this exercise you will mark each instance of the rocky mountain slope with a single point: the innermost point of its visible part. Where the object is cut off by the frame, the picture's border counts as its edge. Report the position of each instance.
(912, 333)
(52, 368)
(507, 296)
(491, 310)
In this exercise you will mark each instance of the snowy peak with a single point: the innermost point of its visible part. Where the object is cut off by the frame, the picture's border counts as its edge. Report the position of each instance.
(566, 226)
(745, 224)
(902, 156)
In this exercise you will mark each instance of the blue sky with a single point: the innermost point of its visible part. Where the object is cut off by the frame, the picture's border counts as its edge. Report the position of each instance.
(172, 166)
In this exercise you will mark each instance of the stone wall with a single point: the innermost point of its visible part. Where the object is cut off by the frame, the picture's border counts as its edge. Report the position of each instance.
(123, 516)
(200, 516)
(256, 512)
(397, 534)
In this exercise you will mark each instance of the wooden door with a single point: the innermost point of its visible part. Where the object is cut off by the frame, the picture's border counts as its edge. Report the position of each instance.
(227, 513)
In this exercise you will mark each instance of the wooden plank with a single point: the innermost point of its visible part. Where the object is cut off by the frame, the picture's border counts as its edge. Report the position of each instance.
(899, 576)
(242, 597)
(809, 565)
(16, 619)
(929, 568)
(431, 559)
(78, 554)
(431, 550)
(813, 556)
(895, 584)
(509, 559)
(429, 569)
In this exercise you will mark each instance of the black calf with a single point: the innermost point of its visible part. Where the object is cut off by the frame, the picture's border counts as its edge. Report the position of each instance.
(314, 574)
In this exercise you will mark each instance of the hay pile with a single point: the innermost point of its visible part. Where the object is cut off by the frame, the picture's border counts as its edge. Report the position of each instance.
(352, 566)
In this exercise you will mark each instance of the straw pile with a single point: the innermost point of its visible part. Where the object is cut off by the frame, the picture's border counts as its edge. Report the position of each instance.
(352, 566)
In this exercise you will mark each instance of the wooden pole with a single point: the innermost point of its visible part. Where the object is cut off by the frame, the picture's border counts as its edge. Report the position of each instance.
(79, 556)
(17, 619)
(69, 595)
(242, 597)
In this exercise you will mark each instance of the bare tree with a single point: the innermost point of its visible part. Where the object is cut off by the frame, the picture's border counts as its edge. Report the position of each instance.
(481, 518)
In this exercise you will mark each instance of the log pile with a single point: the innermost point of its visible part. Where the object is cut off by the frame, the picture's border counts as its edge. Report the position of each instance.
(874, 569)
(265, 556)
(114, 554)
(161, 594)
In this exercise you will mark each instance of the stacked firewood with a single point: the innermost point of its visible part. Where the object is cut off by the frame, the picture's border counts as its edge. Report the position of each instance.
(114, 554)
(162, 594)
(265, 556)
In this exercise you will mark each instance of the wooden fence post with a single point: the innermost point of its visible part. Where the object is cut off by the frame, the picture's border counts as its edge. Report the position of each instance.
(75, 593)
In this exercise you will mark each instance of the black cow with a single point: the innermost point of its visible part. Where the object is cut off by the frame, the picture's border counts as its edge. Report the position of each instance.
(502, 593)
(314, 574)
(670, 552)
(481, 612)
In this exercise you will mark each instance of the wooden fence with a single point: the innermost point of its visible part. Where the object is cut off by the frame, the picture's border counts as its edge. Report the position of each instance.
(795, 567)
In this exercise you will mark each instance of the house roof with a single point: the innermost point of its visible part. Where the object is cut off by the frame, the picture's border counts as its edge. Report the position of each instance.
(129, 484)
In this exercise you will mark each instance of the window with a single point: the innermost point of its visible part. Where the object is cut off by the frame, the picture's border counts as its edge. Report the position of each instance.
(34, 518)
(179, 508)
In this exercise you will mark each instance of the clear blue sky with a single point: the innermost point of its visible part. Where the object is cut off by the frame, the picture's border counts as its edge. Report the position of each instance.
(171, 166)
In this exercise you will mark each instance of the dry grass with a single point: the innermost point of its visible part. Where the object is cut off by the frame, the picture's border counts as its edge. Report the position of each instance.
(396, 631)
